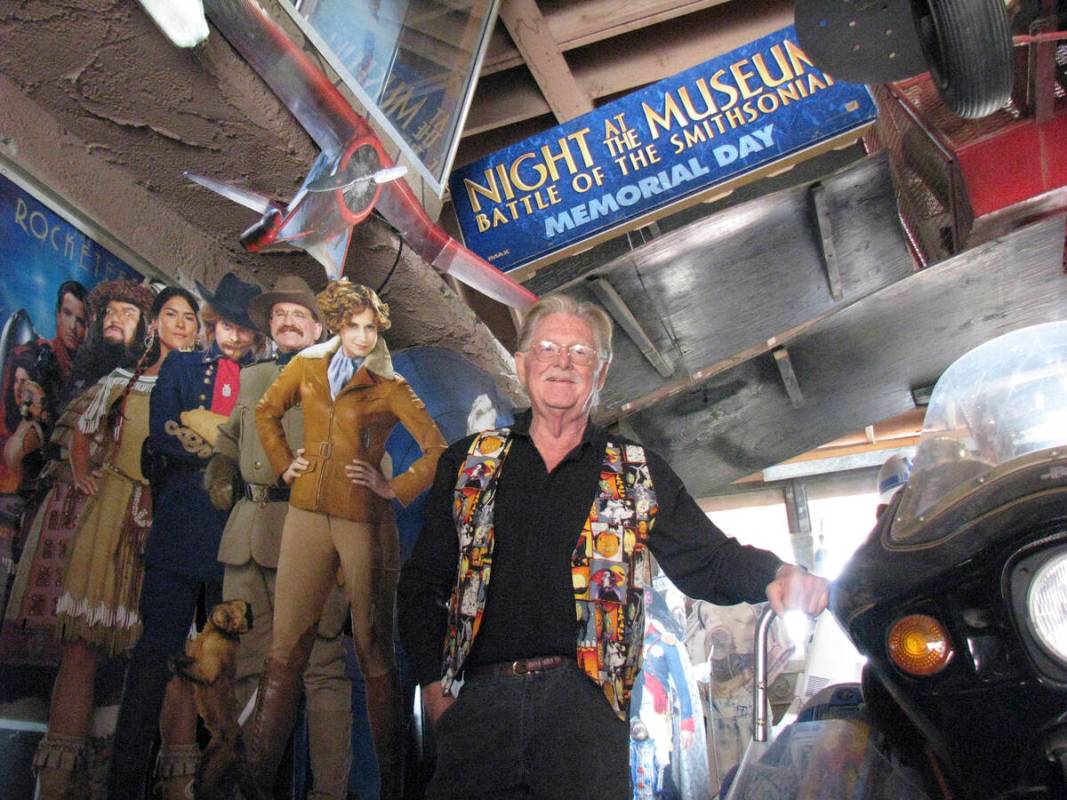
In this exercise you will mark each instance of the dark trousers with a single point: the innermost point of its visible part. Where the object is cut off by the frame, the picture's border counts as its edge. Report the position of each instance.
(544, 736)
(168, 606)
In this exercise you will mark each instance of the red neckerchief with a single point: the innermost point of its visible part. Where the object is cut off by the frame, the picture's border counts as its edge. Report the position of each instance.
(227, 382)
(64, 358)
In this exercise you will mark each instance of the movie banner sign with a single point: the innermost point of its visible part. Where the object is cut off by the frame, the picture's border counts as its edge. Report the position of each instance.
(681, 138)
(48, 267)
(41, 250)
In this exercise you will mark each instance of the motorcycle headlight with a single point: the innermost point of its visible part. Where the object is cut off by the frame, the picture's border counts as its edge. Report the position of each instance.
(1046, 601)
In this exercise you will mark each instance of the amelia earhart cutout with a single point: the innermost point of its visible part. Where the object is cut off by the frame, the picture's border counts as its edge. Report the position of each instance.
(340, 516)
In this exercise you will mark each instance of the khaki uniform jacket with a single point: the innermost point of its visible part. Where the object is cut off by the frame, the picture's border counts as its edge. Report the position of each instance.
(355, 425)
(254, 530)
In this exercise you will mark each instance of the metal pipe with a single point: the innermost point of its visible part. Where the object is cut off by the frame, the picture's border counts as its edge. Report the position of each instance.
(760, 709)
(1050, 36)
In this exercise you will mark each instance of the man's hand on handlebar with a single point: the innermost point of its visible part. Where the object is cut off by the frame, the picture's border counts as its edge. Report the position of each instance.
(795, 588)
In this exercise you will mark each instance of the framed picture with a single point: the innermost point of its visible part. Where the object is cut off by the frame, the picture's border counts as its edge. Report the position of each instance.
(412, 63)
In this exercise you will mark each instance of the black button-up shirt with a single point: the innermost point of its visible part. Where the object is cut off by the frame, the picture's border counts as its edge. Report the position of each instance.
(537, 518)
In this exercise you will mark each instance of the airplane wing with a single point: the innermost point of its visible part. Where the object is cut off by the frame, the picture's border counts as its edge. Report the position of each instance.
(259, 203)
(399, 205)
(291, 74)
(330, 253)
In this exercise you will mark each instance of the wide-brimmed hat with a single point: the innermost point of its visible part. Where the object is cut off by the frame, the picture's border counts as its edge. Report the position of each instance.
(231, 298)
(124, 291)
(288, 289)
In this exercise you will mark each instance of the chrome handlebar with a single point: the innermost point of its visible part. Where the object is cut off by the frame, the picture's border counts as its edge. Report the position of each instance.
(761, 714)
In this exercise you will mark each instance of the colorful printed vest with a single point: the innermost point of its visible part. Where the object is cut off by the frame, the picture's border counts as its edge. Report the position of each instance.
(609, 568)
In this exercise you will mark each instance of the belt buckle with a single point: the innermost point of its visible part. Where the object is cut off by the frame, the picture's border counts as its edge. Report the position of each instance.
(258, 491)
(519, 667)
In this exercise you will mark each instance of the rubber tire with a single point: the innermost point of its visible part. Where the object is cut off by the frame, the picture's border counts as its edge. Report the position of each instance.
(968, 47)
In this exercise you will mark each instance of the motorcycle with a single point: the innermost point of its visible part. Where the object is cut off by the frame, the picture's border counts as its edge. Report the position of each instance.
(958, 600)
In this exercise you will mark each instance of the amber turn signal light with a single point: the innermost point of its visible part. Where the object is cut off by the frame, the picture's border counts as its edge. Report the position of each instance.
(919, 645)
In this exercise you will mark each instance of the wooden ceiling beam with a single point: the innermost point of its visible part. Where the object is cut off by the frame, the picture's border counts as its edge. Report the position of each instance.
(573, 25)
(543, 58)
(630, 61)
(655, 53)
(903, 426)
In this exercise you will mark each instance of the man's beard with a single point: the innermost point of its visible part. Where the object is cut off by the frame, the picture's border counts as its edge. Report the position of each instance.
(97, 357)
(234, 352)
(119, 354)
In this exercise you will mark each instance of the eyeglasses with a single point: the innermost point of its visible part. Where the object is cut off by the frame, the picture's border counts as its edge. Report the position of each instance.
(280, 315)
(549, 352)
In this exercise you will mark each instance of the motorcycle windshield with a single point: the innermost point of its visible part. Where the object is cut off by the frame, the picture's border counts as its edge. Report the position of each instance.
(1003, 400)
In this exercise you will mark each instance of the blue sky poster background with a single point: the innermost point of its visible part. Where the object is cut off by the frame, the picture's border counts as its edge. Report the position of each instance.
(449, 385)
(39, 250)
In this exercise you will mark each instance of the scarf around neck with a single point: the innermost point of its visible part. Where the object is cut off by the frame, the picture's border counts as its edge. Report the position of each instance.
(341, 370)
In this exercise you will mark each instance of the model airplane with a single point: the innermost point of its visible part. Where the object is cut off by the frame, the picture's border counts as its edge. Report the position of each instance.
(352, 175)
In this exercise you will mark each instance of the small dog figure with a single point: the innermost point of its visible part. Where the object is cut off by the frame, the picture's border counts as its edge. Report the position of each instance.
(209, 662)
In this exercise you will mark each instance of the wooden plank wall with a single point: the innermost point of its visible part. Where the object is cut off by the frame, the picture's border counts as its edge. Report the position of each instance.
(858, 365)
(729, 287)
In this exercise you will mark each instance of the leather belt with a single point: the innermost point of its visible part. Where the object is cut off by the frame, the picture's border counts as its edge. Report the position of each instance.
(265, 493)
(514, 669)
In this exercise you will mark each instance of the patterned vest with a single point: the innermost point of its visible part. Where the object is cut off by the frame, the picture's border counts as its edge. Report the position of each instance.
(609, 567)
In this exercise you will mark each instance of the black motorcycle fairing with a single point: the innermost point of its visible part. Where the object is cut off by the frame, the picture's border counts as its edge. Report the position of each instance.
(986, 714)
(882, 571)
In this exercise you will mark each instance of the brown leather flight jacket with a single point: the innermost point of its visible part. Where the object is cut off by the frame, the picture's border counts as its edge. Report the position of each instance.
(354, 425)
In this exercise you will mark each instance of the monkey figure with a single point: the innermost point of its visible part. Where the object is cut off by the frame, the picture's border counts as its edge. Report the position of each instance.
(209, 663)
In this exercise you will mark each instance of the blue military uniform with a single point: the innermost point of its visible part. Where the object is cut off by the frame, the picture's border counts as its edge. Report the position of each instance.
(186, 527)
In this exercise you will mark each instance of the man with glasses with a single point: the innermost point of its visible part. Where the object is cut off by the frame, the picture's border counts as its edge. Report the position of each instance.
(239, 476)
(563, 516)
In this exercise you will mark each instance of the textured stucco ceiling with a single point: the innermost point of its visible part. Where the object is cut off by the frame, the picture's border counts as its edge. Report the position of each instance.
(99, 107)
(130, 104)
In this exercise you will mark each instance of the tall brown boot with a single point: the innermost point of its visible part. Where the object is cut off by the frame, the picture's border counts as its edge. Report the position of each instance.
(268, 734)
(386, 725)
(330, 751)
(56, 760)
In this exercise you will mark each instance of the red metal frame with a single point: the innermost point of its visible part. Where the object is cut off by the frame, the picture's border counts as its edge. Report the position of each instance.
(986, 176)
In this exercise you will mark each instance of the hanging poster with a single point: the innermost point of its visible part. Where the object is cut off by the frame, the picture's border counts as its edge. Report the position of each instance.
(694, 134)
(412, 64)
(48, 266)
